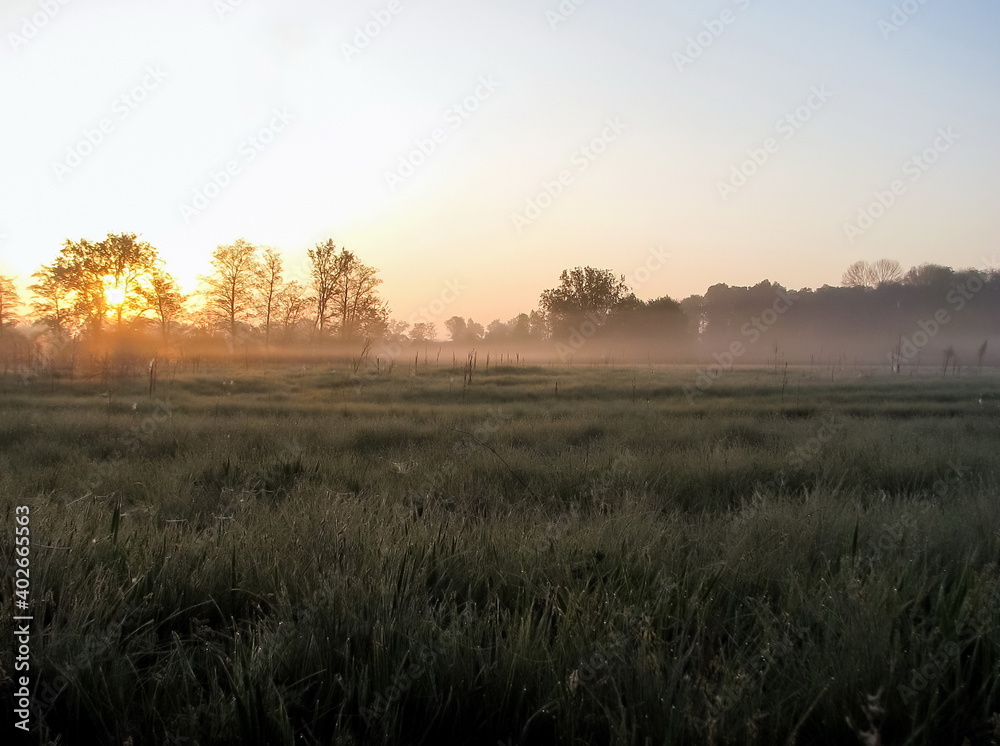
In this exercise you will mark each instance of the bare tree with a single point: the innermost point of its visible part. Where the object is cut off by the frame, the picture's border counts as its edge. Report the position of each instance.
(856, 276)
(885, 272)
(271, 270)
(230, 290)
(166, 300)
(290, 307)
(864, 275)
(325, 269)
(358, 309)
(53, 301)
(347, 301)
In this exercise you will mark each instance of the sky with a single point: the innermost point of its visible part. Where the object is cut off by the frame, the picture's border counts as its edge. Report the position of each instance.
(472, 150)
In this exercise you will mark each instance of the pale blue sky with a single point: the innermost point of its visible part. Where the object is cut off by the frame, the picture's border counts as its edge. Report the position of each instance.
(655, 185)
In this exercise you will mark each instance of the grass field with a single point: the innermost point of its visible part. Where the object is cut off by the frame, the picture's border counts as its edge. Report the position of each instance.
(294, 555)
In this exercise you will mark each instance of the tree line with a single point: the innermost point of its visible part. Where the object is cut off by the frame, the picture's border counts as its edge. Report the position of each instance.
(95, 291)
(119, 286)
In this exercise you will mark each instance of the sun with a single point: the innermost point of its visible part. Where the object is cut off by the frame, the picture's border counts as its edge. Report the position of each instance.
(113, 293)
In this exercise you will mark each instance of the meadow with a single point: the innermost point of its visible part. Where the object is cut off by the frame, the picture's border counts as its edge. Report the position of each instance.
(288, 554)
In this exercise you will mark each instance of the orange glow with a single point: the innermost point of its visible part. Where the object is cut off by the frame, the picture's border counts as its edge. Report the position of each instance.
(114, 294)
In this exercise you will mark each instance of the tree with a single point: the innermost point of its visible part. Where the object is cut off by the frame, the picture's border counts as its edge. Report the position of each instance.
(91, 283)
(290, 308)
(231, 289)
(582, 292)
(876, 274)
(519, 327)
(464, 331)
(497, 331)
(52, 302)
(473, 331)
(537, 327)
(423, 331)
(856, 275)
(324, 269)
(358, 311)
(271, 270)
(886, 271)
(9, 301)
(166, 301)
(661, 319)
(930, 276)
(397, 328)
(694, 308)
(456, 328)
(347, 300)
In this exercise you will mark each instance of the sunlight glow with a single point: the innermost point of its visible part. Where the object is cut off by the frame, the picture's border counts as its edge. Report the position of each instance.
(114, 294)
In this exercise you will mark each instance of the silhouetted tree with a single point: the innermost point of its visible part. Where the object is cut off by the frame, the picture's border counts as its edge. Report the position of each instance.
(876, 274)
(166, 300)
(885, 271)
(496, 331)
(91, 283)
(656, 320)
(582, 292)
(358, 311)
(423, 331)
(231, 290)
(9, 301)
(346, 294)
(324, 269)
(270, 283)
(930, 275)
(456, 328)
(53, 302)
(464, 331)
(290, 307)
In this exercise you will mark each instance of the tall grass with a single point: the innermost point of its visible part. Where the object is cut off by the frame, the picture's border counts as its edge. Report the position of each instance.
(387, 564)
